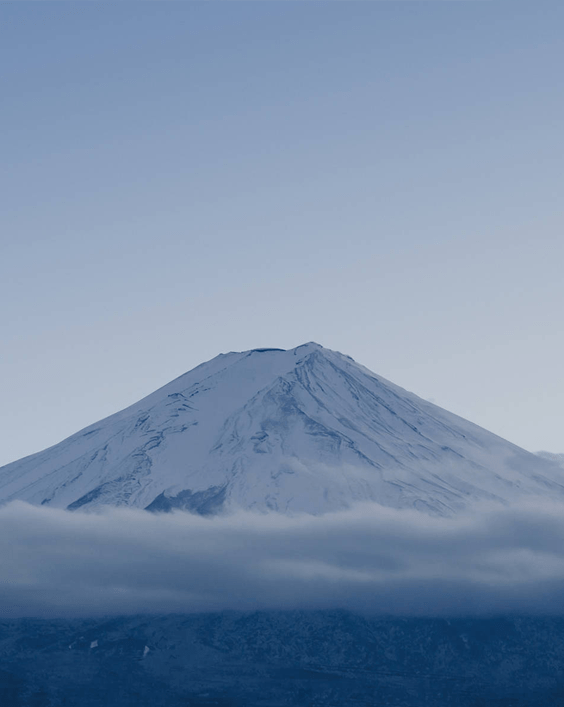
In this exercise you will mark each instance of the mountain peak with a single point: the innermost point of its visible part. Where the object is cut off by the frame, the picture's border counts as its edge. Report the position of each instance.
(300, 351)
(310, 346)
(299, 430)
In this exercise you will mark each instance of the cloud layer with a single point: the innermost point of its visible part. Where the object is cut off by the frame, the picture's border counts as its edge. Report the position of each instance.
(370, 559)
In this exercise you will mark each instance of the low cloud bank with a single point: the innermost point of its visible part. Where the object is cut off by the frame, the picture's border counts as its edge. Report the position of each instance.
(368, 559)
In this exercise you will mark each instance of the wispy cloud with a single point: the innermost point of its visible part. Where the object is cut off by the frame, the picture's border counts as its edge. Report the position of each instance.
(372, 559)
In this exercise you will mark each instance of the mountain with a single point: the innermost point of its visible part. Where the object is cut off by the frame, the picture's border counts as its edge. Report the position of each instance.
(551, 456)
(304, 430)
(282, 659)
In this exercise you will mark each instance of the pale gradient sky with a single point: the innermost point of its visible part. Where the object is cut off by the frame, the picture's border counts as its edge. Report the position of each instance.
(183, 179)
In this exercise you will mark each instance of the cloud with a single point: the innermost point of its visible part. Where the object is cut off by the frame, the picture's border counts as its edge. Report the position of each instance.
(370, 559)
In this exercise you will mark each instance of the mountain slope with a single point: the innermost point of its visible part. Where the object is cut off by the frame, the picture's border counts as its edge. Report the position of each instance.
(551, 456)
(283, 659)
(303, 430)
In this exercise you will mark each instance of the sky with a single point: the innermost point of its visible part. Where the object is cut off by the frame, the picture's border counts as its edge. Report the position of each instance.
(183, 179)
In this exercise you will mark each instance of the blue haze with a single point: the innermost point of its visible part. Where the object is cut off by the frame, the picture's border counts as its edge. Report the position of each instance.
(181, 179)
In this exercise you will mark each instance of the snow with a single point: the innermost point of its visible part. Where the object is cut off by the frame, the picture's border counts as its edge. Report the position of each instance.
(304, 430)
(551, 456)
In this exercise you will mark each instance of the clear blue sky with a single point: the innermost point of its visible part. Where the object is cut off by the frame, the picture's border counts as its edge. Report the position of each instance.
(182, 179)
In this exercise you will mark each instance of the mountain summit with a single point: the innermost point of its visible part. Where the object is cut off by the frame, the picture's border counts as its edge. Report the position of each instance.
(304, 430)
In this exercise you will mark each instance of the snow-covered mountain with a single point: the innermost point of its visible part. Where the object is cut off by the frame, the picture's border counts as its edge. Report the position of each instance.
(304, 430)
